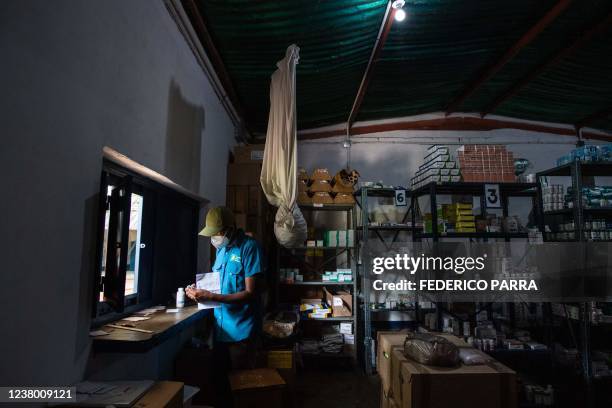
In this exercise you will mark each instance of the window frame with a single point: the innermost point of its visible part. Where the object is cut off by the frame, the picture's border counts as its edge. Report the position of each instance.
(151, 191)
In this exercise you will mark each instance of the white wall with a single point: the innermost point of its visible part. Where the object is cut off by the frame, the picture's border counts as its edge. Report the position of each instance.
(76, 76)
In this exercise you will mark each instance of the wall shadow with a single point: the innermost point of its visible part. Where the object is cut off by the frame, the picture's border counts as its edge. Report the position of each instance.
(185, 124)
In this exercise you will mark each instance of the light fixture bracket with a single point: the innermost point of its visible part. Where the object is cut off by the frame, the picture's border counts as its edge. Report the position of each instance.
(398, 4)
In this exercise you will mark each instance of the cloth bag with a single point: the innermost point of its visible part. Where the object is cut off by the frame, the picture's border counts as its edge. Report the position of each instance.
(279, 171)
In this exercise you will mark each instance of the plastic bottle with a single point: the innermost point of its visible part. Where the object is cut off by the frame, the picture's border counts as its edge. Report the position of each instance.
(180, 298)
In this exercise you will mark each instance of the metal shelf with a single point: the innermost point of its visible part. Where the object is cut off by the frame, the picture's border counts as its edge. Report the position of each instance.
(391, 228)
(476, 189)
(596, 210)
(329, 319)
(302, 248)
(327, 207)
(577, 171)
(379, 191)
(331, 253)
(586, 169)
(475, 235)
(342, 354)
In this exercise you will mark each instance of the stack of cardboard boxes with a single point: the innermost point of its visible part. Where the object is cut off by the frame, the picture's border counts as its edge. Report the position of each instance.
(438, 166)
(456, 217)
(244, 195)
(321, 188)
(330, 304)
(408, 384)
(486, 163)
(461, 216)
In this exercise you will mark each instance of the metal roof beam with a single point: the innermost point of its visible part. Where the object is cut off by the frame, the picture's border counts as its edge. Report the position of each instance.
(383, 33)
(558, 56)
(453, 124)
(526, 39)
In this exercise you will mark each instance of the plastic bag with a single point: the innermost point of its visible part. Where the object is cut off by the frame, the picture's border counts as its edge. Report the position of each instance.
(469, 356)
(431, 350)
(290, 227)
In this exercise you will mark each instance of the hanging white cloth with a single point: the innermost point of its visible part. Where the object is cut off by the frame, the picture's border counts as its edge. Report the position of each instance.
(279, 171)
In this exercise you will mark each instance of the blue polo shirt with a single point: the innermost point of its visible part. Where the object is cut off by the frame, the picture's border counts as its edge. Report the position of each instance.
(241, 259)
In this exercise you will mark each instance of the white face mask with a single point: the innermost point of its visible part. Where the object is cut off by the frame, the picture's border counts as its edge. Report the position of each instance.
(219, 242)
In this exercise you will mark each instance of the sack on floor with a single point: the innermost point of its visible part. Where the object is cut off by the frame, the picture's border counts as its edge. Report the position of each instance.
(429, 349)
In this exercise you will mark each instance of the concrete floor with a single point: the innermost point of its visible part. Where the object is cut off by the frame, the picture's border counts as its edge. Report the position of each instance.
(336, 388)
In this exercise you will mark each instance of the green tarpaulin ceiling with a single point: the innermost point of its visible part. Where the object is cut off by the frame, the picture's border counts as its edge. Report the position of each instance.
(427, 61)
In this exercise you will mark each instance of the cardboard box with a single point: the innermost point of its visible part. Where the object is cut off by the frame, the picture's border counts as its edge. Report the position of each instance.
(249, 154)
(397, 358)
(304, 198)
(492, 386)
(243, 174)
(196, 367)
(322, 198)
(254, 198)
(241, 221)
(241, 199)
(320, 174)
(384, 398)
(346, 327)
(342, 238)
(320, 186)
(163, 394)
(260, 387)
(341, 302)
(280, 359)
(230, 194)
(385, 341)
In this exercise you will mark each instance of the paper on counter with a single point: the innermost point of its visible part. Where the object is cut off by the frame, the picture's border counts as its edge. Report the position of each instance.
(172, 310)
(211, 282)
(150, 311)
(97, 333)
(135, 318)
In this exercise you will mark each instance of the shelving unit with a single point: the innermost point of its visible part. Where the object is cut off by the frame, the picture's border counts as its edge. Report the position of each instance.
(331, 253)
(433, 190)
(364, 263)
(507, 190)
(577, 171)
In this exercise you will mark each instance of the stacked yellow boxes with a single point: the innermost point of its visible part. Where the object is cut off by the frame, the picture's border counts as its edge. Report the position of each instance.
(462, 216)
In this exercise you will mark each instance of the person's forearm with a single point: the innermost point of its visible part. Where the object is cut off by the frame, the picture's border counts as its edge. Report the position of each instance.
(238, 297)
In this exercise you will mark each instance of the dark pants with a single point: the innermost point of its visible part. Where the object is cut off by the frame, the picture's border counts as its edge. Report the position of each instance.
(239, 355)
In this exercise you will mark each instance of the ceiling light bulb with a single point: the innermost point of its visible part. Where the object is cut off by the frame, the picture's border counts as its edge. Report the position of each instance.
(400, 15)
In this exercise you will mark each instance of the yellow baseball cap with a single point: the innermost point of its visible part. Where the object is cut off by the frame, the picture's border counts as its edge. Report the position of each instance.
(217, 219)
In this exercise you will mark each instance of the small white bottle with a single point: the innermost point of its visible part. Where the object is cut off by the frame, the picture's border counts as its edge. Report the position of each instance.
(180, 298)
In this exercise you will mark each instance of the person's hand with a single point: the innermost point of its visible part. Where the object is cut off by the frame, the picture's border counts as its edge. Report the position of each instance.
(199, 295)
(189, 291)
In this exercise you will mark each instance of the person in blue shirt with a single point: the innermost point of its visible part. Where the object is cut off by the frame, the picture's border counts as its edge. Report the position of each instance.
(238, 319)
